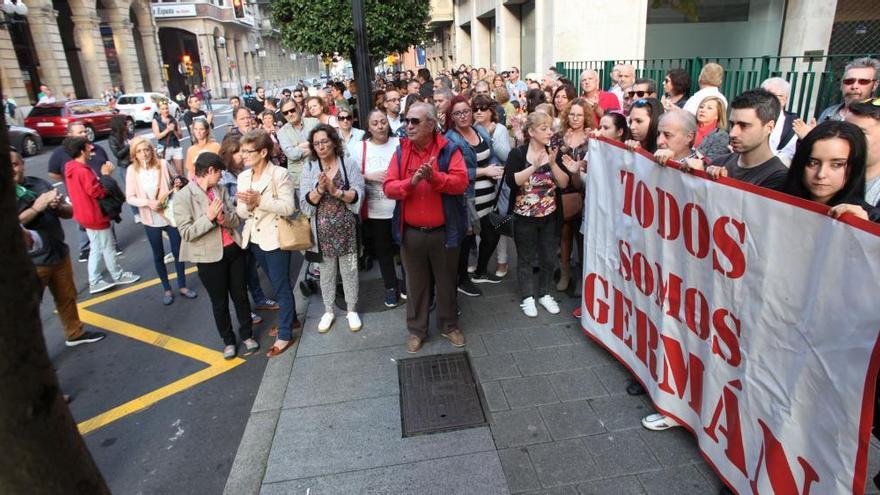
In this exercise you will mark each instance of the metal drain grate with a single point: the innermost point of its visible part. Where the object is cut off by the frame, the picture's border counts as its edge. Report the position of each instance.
(438, 393)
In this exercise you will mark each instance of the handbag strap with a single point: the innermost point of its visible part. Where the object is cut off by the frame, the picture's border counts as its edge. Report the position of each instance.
(364, 158)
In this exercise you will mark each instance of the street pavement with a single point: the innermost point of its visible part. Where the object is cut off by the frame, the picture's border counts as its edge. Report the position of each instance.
(184, 442)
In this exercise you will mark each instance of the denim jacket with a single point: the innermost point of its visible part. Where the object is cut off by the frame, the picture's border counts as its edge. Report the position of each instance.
(470, 158)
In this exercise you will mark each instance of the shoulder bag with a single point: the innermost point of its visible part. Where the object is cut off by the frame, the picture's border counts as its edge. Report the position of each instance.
(294, 232)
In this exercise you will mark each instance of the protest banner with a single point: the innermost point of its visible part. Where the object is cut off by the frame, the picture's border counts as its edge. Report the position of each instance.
(750, 317)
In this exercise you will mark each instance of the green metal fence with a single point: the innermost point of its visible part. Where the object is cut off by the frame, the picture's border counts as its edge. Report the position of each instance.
(815, 81)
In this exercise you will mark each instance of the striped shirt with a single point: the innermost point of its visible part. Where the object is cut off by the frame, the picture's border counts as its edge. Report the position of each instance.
(484, 187)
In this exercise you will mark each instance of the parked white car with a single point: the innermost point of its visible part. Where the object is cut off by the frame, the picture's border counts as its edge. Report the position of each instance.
(144, 106)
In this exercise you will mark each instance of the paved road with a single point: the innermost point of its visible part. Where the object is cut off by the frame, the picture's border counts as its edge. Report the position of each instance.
(184, 443)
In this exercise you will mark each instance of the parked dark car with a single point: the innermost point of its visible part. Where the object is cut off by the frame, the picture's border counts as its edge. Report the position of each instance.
(25, 140)
(51, 120)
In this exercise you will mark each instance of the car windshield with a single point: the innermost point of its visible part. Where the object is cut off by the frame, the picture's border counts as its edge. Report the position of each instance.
(130, 100)
(39, 111)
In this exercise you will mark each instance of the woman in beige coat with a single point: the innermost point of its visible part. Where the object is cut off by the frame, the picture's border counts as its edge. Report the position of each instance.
(265, 193)
(207, 225)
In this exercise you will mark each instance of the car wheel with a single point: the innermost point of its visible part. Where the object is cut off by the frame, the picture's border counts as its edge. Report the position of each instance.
(29, 146)
(90, 133)
(129, 125)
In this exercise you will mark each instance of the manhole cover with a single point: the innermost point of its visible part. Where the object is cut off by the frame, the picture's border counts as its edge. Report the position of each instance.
(438, 393)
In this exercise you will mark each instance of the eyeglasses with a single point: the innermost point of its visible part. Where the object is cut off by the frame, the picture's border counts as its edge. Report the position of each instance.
(413, 121)
(640, 94)
(297, 96)
(245, 151)
(461, 113)
(289, 111)
(344, 117)
(323, 142)
(392, 99)
(852, 80)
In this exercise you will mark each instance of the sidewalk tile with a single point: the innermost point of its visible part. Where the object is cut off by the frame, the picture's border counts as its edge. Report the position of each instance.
(559, 490)
(550, 360)
(619, 453)
(473, 323)
(341, 377)
(475, 346)
(571, 419)
(683, 480)
(621, 412)
(625, 485)
(495, 367)
(673, 447)
(562, 463)
(576, 385)
(503, 342)
(615, 378)
(528, 391)
(383, 329)
(716, 482)
(494, 395)
(474, 473)
(518, 427)
(514, 318)
(488, 304)
(551, 336)
(518, 468)
(355, 435)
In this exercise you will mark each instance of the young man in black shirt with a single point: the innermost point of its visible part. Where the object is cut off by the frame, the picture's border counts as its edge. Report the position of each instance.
(753, 161)
(195, 112)
(40, 209)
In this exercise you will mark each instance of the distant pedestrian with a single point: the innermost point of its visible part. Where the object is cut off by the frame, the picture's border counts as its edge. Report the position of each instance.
(168, 134)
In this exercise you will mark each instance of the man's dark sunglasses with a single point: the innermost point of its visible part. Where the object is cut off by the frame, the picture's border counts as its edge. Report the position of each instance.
(344, 117)
(852, 80)
(412, 121)
(289, 111)
(640, 94)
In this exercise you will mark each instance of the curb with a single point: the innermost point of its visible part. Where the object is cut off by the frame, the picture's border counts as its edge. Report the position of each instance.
(249, 466)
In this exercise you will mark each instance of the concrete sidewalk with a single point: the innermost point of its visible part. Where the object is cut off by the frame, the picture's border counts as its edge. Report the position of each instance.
(327, 417)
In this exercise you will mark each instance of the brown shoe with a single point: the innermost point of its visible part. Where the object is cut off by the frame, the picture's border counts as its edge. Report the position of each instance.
(413, 344)
(455, 338)
(273, 332)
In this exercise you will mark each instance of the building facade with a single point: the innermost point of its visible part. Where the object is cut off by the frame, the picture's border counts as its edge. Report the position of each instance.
(81, 48)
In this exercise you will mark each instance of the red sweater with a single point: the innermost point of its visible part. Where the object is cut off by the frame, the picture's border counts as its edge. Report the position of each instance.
(84, 190)
(423, 204)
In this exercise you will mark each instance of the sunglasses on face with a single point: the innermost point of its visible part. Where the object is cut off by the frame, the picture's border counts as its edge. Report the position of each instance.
(641, 103)
(289, 111)
(344, 117)
(413, 121)
(849, 81)
(640, 94)
(481, 109)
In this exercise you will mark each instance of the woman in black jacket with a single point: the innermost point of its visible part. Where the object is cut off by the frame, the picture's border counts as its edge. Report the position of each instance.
(119, 141)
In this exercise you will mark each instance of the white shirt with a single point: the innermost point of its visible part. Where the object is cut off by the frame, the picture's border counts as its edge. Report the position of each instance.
(149, 182)
(693, 103)
(378, 159)
(394, 123)
(787, 152)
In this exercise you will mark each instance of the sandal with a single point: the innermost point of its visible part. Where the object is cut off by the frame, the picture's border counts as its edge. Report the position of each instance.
(659, 422)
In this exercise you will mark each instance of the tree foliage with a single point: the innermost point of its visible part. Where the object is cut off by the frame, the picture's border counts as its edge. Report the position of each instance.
(325, 26)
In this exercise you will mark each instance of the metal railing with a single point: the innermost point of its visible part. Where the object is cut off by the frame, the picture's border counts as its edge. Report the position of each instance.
(815, 81)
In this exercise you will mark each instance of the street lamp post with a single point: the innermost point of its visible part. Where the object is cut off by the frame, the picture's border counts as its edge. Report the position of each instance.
(361, 58)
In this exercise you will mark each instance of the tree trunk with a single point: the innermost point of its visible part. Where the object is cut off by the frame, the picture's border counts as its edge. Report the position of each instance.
(43, 450)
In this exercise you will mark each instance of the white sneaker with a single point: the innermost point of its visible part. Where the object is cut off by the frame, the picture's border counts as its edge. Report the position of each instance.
(549, 304)
(354, 321)
(127, 278)
(659, 422)
(326, 322)
(169, 258)
(528, 307)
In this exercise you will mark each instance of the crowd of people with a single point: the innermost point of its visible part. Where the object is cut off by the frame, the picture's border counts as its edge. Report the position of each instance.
(442, 174)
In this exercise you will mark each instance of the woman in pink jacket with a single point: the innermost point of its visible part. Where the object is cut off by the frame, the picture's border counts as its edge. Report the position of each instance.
(148, 186)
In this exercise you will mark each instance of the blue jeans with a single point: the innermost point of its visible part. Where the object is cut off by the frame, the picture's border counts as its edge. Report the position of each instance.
(154, 236)
(253, 278)
(276, 263)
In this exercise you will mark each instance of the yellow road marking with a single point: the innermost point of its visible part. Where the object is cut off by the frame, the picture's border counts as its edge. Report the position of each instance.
(214, 359)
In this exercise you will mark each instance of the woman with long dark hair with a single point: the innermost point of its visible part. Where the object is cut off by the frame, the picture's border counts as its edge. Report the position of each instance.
(829, 168)
(119, 142)
(644, 117)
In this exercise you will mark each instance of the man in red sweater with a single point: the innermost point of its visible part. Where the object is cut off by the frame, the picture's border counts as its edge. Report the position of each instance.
(427, 176)
(84, 191)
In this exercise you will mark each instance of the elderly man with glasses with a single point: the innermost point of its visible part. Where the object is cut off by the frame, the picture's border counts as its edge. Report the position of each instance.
(293, 137)
(428, 178)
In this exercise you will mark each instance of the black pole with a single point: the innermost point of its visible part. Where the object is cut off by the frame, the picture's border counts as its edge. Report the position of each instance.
(363, 72)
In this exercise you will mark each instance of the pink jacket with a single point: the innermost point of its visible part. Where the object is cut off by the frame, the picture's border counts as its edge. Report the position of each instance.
(136, 196)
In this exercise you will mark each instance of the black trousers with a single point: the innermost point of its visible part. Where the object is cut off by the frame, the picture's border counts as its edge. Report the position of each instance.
(383, 249)
(223, 280)
(488, 243)
(536, 240)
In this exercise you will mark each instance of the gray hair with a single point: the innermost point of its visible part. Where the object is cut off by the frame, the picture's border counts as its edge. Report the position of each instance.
(864, 63)
(585, 71)
(430, 111)
(686, 119)
(444, 92)
(778, 83)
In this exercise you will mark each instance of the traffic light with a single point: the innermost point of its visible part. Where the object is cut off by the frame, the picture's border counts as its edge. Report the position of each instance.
(238, 7)
(188, 65)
